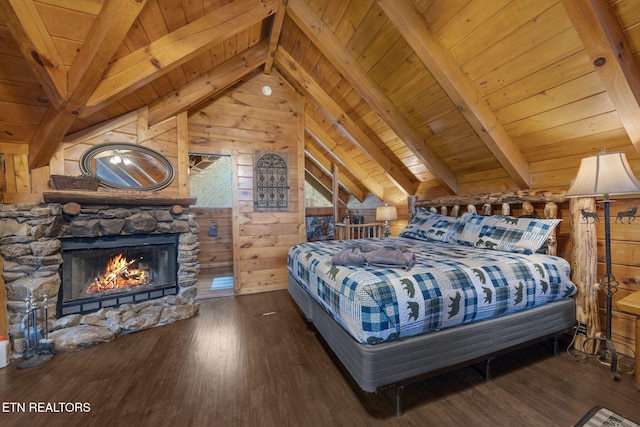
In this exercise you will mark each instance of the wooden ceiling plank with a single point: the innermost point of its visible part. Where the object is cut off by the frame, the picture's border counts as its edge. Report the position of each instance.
(612, 57)
(37, 47)
(104, 38)
(411, 24)
(274, 36)
(165, 54)
(342, 157)
(349, 67)
(357, 136)
(212, 82)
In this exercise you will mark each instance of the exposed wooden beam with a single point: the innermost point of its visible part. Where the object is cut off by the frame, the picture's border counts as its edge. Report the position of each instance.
(612, 57)
(288, 66)
(341, 157)
(165, 54)
(304, 16)
(102, 41)
(321, 181)
(316, 183)
(100, 128)
(324, 162)
(107, 32)
(209, 84)
(335, 172)
(415, 30)
(37, 47)
(41, 148)
(274, 36)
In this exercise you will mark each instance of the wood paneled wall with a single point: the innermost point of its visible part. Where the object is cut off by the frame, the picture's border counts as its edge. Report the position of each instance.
(625, 250)
(236, 124)
(167, 138)
(215, 251)
(15, 163)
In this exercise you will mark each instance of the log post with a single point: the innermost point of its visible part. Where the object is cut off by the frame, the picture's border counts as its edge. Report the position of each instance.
(411, 202)
(584, 257)
(551, 212)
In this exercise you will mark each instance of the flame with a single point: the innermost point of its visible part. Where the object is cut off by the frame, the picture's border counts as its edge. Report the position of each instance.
(118, 275)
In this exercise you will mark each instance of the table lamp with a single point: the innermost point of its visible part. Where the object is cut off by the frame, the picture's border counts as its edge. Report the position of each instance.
(386, 213)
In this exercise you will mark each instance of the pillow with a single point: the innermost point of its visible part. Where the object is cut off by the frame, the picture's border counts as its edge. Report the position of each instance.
(520, 235)
(475, 226)
(427, 225)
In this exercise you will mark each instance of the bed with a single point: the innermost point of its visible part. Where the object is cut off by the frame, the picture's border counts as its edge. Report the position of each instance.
(476, 286)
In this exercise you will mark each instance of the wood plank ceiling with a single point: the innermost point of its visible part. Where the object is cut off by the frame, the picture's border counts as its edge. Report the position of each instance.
(452, 95)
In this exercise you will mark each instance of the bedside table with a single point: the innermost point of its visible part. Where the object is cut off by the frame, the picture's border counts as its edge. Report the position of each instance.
(631, 304)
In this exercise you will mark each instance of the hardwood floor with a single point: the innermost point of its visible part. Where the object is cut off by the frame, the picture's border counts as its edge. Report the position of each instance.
(253, 361)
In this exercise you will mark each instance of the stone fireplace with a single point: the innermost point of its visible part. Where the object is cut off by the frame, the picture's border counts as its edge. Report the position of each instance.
(100, 269)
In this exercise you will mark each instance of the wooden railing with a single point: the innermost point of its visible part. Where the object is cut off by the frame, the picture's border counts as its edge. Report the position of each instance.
(347, 230)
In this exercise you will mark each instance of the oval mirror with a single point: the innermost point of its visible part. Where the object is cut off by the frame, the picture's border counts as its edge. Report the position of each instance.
(127, 166)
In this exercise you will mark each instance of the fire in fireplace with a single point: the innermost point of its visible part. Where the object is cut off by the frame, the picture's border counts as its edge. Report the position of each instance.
(110, 271)
(119, 274)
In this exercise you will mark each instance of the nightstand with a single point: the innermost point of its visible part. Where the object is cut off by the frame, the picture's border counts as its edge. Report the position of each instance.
(631, 304)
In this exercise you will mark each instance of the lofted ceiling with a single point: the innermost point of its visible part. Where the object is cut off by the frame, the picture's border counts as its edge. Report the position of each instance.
(407, 95)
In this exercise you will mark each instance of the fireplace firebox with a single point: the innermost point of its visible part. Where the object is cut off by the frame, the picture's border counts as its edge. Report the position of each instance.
(109, 271)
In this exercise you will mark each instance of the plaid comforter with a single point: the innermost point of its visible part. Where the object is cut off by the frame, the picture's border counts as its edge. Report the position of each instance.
(449, 285)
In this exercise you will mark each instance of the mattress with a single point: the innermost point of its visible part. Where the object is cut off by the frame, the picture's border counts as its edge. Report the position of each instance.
(450, 285)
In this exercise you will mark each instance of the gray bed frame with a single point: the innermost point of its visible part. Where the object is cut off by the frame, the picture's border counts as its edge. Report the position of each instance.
(396, 363)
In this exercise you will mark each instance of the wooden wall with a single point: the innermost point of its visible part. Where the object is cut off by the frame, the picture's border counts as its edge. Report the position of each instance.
(16, 178)
(215, 251)
(167, 138)
(236, 124)
(625, 259)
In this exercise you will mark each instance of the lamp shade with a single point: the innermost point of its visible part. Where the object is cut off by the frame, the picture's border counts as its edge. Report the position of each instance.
(386, 213)
(602, 175)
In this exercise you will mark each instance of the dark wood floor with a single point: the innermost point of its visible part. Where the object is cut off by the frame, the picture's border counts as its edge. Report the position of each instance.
(253, 361)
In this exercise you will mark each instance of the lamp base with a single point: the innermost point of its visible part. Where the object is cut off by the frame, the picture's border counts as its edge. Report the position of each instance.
(608, 355)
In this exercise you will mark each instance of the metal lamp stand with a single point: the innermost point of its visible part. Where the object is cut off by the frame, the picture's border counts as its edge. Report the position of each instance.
(610, 285)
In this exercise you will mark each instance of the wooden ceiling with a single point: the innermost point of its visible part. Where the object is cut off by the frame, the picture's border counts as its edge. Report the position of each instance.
(459, 96)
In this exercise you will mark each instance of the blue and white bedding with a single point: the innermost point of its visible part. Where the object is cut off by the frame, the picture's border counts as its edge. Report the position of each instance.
(450, 285)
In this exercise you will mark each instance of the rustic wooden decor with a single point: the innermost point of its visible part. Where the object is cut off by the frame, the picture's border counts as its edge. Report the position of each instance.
(271, 181)
(584, 267)
(65, 182)
(112, 198)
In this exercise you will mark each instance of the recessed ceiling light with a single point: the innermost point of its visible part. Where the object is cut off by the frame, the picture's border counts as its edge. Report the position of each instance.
(266, 90)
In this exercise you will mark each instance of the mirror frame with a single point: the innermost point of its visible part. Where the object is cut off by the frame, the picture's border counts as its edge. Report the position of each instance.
(87, 156)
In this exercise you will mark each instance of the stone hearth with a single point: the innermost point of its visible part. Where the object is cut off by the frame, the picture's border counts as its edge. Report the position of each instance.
(31, 252)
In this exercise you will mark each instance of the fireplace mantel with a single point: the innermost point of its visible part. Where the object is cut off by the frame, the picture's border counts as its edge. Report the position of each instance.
(116, 198)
